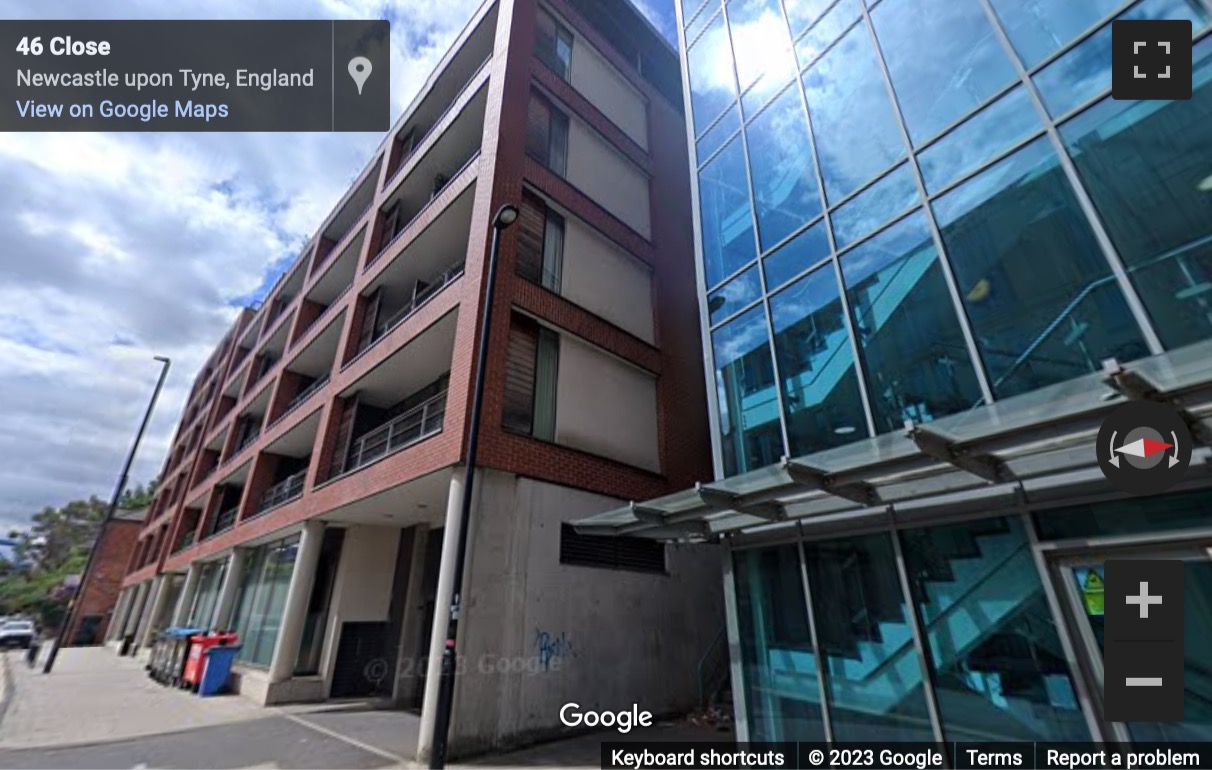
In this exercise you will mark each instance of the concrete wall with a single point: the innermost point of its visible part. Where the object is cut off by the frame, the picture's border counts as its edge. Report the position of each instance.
(362, 591)
(605, 406)
(604, 639)
(605, 280)
(602, 173)
(602, 84)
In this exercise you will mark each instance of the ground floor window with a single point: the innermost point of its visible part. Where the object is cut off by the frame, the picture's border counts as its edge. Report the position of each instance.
(262, 598)
(210, 581)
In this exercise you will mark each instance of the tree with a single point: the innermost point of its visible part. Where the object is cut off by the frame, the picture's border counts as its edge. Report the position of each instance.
(55, 545)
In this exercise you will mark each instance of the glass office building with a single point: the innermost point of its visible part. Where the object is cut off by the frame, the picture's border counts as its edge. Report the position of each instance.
(924, 229)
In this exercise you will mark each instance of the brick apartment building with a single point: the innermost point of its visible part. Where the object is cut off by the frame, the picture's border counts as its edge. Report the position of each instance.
(98, 590)
(317, 464)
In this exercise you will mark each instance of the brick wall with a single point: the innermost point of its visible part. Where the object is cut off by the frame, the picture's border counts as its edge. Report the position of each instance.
(101, 586)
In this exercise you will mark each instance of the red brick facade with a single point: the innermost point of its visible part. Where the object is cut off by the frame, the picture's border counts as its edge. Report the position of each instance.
(498, 173)
(99, 588)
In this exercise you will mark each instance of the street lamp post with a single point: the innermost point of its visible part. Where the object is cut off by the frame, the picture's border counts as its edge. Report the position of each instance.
(506, 216)
(113, 506)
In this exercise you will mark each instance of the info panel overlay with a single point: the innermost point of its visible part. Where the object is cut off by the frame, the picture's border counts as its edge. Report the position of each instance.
(195, 76)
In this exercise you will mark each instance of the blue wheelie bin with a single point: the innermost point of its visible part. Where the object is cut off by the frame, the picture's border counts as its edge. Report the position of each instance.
(218, 669)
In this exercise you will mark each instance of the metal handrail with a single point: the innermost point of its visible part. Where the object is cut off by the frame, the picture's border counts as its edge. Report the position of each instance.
(420, 422)
(225, 521)
(710, 664)
(187, 540)
(436, 284)
(283, 492)
(298, 400)
(425, 206)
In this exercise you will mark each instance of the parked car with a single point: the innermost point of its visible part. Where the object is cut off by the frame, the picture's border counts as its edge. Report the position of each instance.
(17, 633)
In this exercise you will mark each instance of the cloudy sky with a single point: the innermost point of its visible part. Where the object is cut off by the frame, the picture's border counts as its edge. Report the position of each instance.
(118, 247)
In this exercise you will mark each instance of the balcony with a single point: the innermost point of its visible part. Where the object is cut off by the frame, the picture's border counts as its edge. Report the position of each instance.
(423, 291)
(187, 539)
(451, 152)
(350, 213)
(224, 521)
(414, 425)
(286, 490)
(439, 96)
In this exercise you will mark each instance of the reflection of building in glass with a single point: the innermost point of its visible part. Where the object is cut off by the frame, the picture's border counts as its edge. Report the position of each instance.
(924, 230)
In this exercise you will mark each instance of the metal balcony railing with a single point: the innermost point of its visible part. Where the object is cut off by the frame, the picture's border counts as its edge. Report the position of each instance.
(436, 284)
(289, 488)
(298, 400)
(225, 521)
(187, 540)
(251, 437)
(418, 423)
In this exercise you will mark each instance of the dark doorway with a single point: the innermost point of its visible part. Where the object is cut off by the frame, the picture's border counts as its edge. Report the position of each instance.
(86, 632)
(363, 668)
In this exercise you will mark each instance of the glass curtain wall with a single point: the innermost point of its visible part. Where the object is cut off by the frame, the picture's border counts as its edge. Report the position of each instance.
(944, 188)
(210, 582)
(262, 599)
(990, 642)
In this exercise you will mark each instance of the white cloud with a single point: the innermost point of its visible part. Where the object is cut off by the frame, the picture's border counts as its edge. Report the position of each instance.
(119, 247)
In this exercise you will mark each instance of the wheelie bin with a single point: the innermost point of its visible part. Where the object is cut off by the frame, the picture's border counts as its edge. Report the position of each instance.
(199, 645)
(217, 671)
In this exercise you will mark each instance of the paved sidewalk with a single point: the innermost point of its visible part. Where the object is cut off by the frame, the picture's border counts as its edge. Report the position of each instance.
(98, 710)
(93, 695)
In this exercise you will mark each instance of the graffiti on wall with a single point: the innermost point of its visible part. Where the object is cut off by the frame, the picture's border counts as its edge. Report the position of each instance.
(553, 650)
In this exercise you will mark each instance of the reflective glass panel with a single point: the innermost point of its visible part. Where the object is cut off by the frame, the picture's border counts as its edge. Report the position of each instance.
(1085, 72)
(1036, 28)
(782, 690)
(696, 27)
(764, 59)
(999, 126)
(873, 674)
(800, 253)
(691, 7)
(999, 668)
(1148, 168)
(827, 30)
(784, 175)
(750, 431)
(727, 219)
(712, 78)
(719, 133)
(941, 69)
(1133, 516)
(734, 295)
(880, 202)
(913, 349)
(821, 399)
(802, 13)
(1041, 297)
(852, 118)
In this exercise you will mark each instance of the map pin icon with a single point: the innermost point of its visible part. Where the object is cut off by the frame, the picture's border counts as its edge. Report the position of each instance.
(359, 70)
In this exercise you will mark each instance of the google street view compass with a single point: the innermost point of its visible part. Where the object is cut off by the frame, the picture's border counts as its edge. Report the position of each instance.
(1144, 447)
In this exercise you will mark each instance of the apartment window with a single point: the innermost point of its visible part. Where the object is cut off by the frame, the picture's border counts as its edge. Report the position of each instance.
(553, 45)
(540, 242)
(635, 554)
(262, 599)
(393, 223)
(530, 379)
(547, 134)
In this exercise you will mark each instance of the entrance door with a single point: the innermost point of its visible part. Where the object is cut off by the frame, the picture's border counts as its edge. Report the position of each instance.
(1079, 577)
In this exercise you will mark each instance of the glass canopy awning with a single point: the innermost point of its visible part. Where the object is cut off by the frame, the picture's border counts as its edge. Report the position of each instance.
(1018, 447)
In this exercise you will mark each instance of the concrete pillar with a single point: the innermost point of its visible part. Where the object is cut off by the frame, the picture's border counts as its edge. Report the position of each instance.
(222, 620)
(138, 602)
(154, 608)
(441, 613)
(286, 647)
(185, 601)
(414, 614)
(118, 619)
